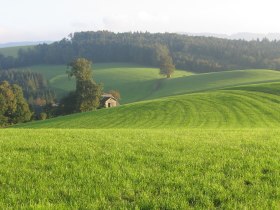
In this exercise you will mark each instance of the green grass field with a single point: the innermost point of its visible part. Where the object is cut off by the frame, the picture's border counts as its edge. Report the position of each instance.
(207, 141)
(134, 82)
(214, 81)
(140, 169)
(13, 51)
(137, 83)
(217, 109)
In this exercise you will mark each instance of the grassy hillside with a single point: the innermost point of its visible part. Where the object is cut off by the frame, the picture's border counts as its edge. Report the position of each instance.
(12, 51)
(217, 149)
(211, 81)
(139, 169)
(218, 109)
(138, 83)
(133, 81)
(271, 88)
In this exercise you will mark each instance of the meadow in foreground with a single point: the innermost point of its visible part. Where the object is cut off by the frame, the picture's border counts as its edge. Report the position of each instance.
(142, 169)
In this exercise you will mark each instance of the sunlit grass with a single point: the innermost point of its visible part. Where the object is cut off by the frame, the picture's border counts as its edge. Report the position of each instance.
(218, 109)
(137, 83)
(146, 169)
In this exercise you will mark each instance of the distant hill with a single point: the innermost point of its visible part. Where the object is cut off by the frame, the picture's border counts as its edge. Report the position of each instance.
(19, 44)
(13, 51)
(12, 48)
(191, 53)
(244, 36)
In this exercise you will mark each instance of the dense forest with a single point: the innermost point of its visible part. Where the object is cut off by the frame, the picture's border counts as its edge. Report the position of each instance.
(198, 54)
(34, 86)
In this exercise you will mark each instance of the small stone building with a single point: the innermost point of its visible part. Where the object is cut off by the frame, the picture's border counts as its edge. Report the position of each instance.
(107, 101)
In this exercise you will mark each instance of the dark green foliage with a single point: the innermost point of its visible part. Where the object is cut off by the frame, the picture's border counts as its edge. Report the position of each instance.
(7, 62)
(68, 104)
(35, 88)
(52, 110)
(165, 61)
(81, 69)
(13, 106)
(43, 116)
(198, 54)
(87, 94)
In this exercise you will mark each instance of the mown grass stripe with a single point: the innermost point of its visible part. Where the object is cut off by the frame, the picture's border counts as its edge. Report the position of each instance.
(218, 109)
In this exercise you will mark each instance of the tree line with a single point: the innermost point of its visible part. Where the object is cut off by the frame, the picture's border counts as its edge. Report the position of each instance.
(14, 107)
(197, 54)
(34, 86)
(35, 92)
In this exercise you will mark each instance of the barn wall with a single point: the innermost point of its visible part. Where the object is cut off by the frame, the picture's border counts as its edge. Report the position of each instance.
(112, 103)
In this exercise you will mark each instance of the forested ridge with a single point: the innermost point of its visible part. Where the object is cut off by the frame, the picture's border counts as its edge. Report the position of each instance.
(197, 54)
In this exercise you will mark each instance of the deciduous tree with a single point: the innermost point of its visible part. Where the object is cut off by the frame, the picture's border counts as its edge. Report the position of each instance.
(164, 59)
(115, 93)
(13, 106)
(87, 94)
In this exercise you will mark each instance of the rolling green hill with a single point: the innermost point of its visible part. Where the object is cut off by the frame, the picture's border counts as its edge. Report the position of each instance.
(214, 149)
(134, 82)
(12, 51)
(213, 81)
(229, 151)
(137, 83)
(218, 109)
(271, 88)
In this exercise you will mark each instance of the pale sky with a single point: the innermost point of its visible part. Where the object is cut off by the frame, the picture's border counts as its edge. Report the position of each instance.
(37, 20)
